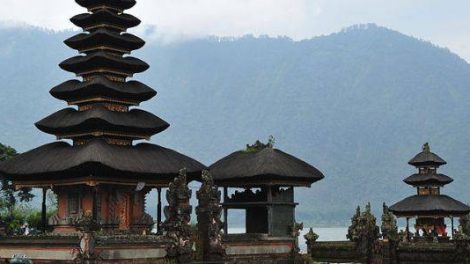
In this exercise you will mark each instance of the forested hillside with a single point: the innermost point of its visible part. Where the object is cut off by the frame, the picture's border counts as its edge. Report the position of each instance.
(357, 104)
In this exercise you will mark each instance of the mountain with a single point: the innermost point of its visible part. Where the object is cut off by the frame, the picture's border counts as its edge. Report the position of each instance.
(357, 104)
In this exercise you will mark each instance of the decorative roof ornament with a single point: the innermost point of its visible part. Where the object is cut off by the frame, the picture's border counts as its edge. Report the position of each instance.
(258, 145)
(426, 147)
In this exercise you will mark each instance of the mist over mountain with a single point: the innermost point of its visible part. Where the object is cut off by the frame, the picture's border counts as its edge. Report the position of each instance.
(357, 105)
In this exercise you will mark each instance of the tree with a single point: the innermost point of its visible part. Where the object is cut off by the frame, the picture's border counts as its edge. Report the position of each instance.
(8, 194)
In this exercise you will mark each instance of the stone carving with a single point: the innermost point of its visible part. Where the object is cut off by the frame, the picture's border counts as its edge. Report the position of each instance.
(248, 196)
(87, 246)
(389, 225)
(145, 221)
(352, 234)
(295, 232)
(310, 239)
(464, 226)
(208, 216)
(86, 223)
(178, 216)
(365, 232)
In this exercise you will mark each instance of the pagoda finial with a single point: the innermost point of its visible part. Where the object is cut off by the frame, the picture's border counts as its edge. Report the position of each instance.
(426, 147)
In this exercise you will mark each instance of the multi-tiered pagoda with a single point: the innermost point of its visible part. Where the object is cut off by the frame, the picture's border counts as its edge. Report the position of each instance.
(102, 173)
(429, 206)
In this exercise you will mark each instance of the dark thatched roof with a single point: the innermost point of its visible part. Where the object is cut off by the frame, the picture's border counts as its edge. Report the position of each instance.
(107, 38)
(426, 157)
(429, 205)
(428, 178)
(119, 4)
(99, 60)
(99, 118)
(101, 86)
(61, 160)
(105, 17)
(263, 166)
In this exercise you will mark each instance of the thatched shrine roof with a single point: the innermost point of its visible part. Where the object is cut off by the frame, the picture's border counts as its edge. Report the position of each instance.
(429, 205)
(103, 61)
(428, 178)
(105, 17)
(263, 166)
(426, 157)
(105, 38)
(97, 158)
(71, 121)
(101, 124)
(75, 90)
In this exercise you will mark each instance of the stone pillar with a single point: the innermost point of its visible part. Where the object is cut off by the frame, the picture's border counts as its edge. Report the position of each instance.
(208, 218)
(87, 248)
(225, 211)
(178, 217)
(159, 211)
(310, 239)
(44, 210)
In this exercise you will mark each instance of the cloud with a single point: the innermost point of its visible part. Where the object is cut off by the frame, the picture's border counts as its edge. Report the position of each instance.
(440, 22)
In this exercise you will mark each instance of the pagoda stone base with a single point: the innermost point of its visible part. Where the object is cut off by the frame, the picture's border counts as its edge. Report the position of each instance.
(67, 249)
(259, 248)
(388, 253)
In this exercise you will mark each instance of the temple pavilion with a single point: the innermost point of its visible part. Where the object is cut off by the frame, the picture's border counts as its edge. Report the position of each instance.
(267, 178)
(429, 206)
(95, 168)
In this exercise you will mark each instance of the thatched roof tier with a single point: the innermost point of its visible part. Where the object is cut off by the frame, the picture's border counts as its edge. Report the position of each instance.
(117, 4)
(133, 92)
(428, 178)
(266, 166)
(98, 159)
(429, 205)
(427, 158)
(101, 62)
(105, 19)
(69, 122)
(104, 39)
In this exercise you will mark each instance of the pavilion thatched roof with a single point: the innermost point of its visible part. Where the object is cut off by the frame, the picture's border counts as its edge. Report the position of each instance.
(428, 178)
(265, 166)
(429, 205)
(97, 158)
(426, 157)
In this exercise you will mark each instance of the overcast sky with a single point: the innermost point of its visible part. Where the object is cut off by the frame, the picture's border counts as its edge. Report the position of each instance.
(443, 22)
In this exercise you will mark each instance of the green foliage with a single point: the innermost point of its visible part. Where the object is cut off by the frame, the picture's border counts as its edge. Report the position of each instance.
(9, 211)
(6, 152)
(258, 145)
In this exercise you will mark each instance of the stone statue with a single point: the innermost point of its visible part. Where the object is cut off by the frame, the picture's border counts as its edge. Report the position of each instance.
(87, 246)
(364, 231)
(389, 225)
(208, 216)
(178, 216)
(310, 239)
(352, 234)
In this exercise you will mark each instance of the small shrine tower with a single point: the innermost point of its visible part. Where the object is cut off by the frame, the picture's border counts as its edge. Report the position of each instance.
(267, 177)
(429, 206)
